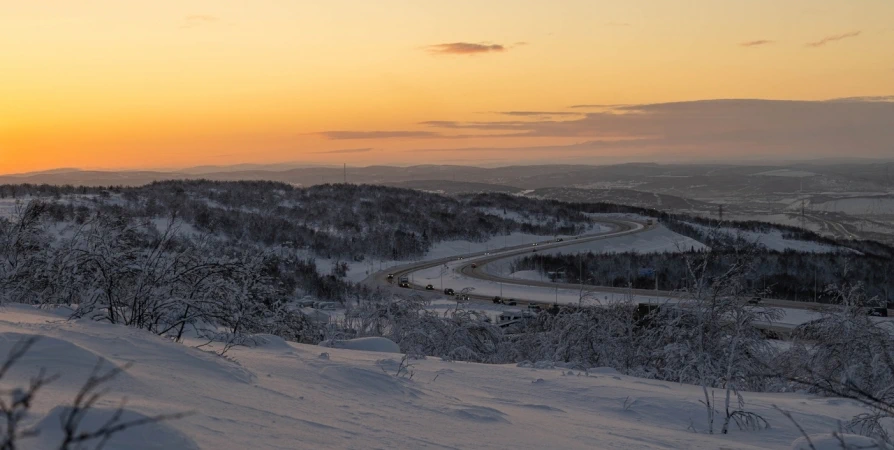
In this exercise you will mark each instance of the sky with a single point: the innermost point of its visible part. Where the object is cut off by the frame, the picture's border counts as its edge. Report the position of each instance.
(106, 84)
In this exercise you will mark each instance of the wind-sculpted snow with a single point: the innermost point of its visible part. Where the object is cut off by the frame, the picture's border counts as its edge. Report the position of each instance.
(154, 436)
(354, 399)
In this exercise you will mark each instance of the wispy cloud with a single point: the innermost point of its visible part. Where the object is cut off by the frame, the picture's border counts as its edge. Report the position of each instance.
(195, 20)
(539, 113)
(346, 150)
(465, 48)
(336, 135)
(757, 43)
(597, 106)
(833, 38)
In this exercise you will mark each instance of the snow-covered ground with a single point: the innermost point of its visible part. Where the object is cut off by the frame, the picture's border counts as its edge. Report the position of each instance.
(656, 240)
(774, 240)
(282, 395)
(9, 206)
(453, 279)
(858, 206)
(358, 271)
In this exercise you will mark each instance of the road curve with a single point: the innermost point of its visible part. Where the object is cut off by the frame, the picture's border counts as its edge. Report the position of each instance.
(619, 228)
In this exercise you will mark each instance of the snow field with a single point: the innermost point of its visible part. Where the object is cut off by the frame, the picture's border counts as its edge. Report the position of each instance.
(285, 395)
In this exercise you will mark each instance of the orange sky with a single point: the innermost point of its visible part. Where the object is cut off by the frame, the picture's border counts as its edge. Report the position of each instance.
(109, 84)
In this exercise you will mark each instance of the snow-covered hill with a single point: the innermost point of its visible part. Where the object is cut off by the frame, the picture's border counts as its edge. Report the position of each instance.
(281, 395)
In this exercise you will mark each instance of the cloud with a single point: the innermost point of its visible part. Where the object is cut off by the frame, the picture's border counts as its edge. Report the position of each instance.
(757, 43)
(880, 98)
(195, 20)
(338, 135)
(465, 48)
(539, 113)
(833, 38)
(597, 106)
(729, 127)
(346, 150)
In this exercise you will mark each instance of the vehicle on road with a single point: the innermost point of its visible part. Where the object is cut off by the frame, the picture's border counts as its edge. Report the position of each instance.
(559, 239)
(462, 297)
(390, 276)
(474, 266)
(404, 281)
(510, 302)
(755, 301)
(498, 300)
(429, 287)
(449, 291)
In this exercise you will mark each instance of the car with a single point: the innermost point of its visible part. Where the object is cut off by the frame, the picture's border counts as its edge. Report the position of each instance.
(429, 287)
(474, 266)
(448, 291)
(534, 244)
(754, 301)
(390, 276)
(404, 284)
(498, 300)
(559, 239)
(462, 297)
(511, 302)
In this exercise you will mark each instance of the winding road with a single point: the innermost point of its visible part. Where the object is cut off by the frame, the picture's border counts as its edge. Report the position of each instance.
(474, 266)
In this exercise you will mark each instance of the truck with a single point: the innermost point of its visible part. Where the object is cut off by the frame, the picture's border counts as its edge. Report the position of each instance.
(404, 281)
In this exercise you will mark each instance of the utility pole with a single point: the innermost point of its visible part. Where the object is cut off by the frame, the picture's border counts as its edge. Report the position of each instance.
(720, 207)
(346, 173)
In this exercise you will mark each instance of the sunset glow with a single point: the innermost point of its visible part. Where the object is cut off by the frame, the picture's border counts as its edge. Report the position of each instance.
(167, 84)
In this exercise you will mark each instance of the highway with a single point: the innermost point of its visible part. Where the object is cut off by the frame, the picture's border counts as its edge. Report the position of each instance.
(380, 279)
(482, 259)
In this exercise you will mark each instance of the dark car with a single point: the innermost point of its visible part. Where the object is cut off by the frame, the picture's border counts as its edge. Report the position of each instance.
(559, 239)
(390, 276)
(429, 287)
(474, 266)
(755, 301)
(511, 302)
(404, 284)
(497, 299)
(449, 291)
